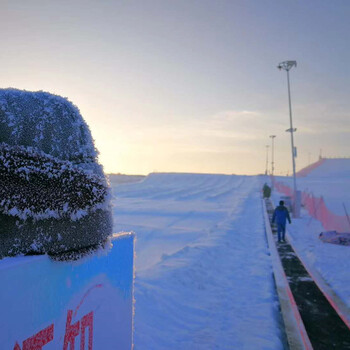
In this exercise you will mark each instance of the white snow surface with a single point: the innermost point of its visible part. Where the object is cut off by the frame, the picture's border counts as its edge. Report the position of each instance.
(203, 271)
(339, 167)
(332, 261)
(334, 190)
(331, 180)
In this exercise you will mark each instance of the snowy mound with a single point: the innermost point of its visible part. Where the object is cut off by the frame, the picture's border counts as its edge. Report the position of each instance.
(38, 186)
(337, 167)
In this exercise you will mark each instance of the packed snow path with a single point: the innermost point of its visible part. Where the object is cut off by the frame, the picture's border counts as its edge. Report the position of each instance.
(203, 272)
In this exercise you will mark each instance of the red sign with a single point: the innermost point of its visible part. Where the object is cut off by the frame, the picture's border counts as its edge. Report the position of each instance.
(45, 336)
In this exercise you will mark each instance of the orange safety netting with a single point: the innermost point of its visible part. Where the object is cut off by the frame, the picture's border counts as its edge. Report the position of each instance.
(306, 171)
(316, 208)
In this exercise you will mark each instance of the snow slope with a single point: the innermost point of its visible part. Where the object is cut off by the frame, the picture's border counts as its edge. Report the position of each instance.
(203, 272)
(328, 167)
(331, 179)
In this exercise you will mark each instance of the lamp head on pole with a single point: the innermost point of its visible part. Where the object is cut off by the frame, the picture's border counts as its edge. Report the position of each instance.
(287, 65)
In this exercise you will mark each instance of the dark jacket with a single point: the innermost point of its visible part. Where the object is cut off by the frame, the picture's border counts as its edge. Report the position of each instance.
(280, 215)
(266, 191)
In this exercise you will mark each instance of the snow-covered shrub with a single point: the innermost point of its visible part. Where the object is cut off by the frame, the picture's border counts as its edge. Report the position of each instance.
(40, 186)
(47, 122)
(53, 193)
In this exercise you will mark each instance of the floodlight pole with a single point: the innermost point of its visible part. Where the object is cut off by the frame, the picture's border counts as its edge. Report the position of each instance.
(272, 154)
(287, 65)
(267, 159)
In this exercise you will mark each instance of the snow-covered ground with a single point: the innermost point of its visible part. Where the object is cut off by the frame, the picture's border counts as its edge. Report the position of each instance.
(203, 271)
(330, 260)
(330, 180)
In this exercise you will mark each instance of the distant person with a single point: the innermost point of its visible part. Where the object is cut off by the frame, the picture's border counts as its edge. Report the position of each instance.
(266, 191)
(281, 215)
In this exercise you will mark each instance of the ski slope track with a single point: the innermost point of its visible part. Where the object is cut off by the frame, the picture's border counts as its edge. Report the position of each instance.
(203, 271)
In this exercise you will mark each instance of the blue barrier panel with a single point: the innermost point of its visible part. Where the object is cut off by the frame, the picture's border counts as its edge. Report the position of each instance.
(84, 304)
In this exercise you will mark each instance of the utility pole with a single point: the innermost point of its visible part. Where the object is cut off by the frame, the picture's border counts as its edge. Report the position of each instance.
(272, 154)
(287, 66)
(267, 159)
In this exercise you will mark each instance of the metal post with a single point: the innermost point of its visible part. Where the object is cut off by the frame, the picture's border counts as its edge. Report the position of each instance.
(291, 136)
(267, 159)
(272, 154)
(287, 65)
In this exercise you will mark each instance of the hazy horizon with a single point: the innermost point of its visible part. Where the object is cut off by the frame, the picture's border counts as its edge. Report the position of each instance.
(189, 86)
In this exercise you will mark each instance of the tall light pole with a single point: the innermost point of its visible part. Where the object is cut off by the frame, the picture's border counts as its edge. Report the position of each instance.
(272, 154)
(287, 66)
(267, 159)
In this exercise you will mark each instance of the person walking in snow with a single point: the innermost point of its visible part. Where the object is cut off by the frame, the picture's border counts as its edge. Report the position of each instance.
(281, 215)
(266, 191)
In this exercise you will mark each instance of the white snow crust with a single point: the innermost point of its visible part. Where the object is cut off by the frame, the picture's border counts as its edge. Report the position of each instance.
(203, 271)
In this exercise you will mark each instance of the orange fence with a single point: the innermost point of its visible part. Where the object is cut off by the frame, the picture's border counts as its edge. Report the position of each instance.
(316, 208)
(306, 171)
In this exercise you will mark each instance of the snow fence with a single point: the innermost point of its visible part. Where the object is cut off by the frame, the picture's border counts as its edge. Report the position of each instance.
(84, 304)
(316, 207)
(309, 169)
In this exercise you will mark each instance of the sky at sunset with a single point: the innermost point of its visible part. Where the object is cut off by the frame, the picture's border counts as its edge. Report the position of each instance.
(189, 86)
